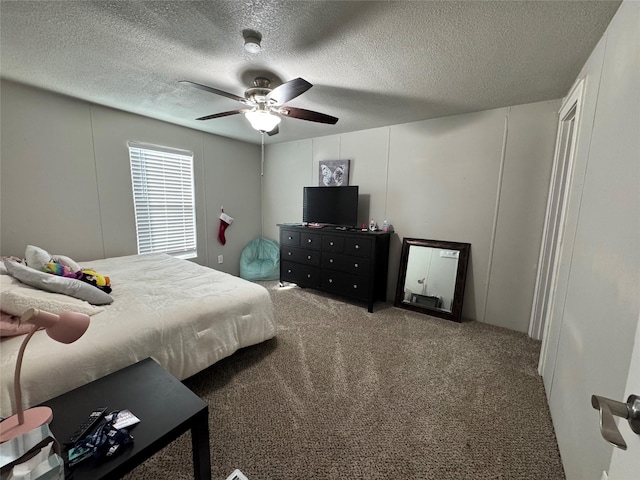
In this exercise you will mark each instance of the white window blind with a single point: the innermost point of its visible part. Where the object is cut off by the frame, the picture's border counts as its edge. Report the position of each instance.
(163, 196)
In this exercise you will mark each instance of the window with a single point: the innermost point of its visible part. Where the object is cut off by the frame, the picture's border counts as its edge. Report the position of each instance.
(163, 197)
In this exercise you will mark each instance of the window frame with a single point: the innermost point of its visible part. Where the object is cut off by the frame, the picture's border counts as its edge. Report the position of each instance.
(163, 186)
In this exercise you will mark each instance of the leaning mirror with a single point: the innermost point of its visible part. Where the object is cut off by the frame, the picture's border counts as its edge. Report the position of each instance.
(432, 277)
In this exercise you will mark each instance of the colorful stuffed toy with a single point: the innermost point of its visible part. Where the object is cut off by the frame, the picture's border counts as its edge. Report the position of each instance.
(95, 279)
(60, 270)
(86, 275)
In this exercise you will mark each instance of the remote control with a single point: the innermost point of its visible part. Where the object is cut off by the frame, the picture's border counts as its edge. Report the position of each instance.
(86, 426)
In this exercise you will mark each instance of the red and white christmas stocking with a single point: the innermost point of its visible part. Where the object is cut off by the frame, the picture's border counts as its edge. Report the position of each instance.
(225, 221)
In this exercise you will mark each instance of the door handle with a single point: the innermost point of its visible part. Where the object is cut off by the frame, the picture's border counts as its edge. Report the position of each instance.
(608, 408)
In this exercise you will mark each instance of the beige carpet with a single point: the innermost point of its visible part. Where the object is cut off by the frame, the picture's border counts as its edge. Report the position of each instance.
(344, 394)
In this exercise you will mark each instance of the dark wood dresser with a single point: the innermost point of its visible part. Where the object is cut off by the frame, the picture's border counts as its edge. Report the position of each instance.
(350, 263)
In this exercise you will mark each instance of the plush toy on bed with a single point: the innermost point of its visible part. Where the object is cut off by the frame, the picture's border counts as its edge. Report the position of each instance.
(95, 279)
(86, 275)
(65, 267)
(60, 270)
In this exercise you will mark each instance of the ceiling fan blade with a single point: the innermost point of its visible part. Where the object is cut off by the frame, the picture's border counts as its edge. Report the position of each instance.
(216, 91)
(223, 114)
(310, 115)
(288, 91)
(274, 131)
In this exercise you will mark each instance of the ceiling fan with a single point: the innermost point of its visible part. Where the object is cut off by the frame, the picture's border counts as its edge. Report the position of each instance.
(266, 105)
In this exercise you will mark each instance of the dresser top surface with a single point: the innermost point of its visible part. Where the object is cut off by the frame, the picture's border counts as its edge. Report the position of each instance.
(332, 230)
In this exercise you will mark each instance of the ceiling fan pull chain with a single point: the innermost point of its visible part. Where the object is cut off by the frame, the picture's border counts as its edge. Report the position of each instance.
(262, 156)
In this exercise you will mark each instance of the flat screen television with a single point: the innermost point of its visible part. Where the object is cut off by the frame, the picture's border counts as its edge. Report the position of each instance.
(330, 205)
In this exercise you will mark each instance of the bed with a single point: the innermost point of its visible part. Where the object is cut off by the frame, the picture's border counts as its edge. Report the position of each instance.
(184, 315)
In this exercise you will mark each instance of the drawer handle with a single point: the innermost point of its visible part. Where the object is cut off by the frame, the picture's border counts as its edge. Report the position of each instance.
(331, 243)
(308, 240)
(357, 247)
(356, 265)
(290, 238)
(331, 280)
(308, 275)
(289, 271)
(331, 260)
(288, 253)
(355, 286)
(308, 257)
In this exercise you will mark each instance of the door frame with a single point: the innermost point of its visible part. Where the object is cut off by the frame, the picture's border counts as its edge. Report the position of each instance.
(559, 188)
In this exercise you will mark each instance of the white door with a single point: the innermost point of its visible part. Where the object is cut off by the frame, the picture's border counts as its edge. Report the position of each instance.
(625, 464)
(598, 318)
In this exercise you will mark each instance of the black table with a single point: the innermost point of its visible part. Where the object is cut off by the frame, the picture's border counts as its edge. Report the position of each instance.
(165, 407)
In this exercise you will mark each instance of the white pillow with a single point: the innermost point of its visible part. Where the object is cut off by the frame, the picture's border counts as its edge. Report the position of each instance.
(54, 283)
(67, 262)
(37, 257)
(3, 270)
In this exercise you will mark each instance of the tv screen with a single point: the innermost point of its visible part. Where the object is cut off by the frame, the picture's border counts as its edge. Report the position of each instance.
(330, 205)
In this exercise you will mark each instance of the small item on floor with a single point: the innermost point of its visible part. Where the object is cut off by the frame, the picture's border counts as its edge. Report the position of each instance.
(237, 475)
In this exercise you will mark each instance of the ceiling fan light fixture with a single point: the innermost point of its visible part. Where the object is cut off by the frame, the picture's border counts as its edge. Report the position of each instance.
(262, 120)
(266, 106)
(252, 44)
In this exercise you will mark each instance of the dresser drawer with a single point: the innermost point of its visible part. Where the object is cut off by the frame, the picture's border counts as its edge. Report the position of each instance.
(360, 247)
(303, 275)
(345, 263)
(345, 284)
(300, 255)
(289, 237)
(331, 243)
(310, 240)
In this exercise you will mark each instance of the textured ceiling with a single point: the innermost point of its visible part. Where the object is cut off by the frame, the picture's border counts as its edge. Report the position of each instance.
(371, 63)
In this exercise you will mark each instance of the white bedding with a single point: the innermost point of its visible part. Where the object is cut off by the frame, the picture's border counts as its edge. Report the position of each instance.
(183, 315)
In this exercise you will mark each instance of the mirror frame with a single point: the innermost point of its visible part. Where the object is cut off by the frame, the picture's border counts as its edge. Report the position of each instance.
(461, 277)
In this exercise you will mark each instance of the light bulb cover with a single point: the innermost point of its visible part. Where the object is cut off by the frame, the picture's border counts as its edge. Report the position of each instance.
(252, 44)
(262, 120)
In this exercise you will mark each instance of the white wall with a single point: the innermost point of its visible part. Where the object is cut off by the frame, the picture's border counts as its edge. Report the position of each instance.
(66, 183)
(480, 178)
(48, 190)
(597, 306)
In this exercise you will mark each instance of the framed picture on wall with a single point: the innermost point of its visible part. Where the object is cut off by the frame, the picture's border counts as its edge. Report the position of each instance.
(333, 173)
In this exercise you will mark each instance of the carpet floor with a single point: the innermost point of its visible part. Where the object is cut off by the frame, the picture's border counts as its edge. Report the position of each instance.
(342, 393)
